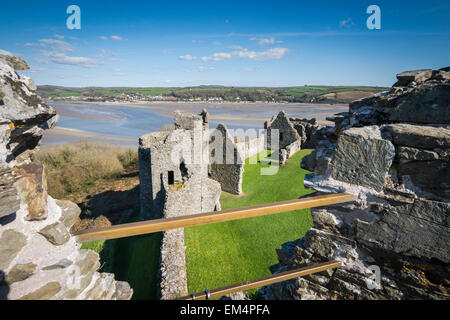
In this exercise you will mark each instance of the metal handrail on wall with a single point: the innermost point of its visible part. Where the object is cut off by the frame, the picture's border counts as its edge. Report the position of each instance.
(275, 278)
(157, 225)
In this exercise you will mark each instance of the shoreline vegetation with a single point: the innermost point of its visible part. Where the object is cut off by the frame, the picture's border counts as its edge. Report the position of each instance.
(296, 94)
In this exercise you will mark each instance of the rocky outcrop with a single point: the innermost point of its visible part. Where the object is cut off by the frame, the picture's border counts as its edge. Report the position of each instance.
(39, 259)
(363, 157)
(393, 241)
(309, 131)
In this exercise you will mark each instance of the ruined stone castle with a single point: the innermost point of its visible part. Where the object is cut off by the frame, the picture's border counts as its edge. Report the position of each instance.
(184, 169)
(391, 150)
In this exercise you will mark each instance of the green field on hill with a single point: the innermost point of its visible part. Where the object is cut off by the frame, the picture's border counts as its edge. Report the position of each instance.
(226, 253)
(314, 93)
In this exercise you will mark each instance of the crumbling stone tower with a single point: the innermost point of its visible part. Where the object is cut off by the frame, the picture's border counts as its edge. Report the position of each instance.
(289, 140)
(173, 168)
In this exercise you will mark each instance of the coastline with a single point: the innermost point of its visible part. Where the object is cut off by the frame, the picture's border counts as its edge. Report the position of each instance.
(61, 135)
(166, 108)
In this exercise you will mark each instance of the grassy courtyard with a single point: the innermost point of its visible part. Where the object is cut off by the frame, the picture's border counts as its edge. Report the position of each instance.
(218, 254)
(225, 253)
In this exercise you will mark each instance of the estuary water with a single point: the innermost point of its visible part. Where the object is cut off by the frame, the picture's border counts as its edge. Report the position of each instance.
(124, 124)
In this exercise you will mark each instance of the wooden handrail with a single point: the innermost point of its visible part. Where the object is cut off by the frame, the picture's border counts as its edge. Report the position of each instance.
(156, 225)
(275, 278)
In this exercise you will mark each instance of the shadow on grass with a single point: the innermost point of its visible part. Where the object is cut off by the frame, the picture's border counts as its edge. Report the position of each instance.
(134, 260)
(111, 204)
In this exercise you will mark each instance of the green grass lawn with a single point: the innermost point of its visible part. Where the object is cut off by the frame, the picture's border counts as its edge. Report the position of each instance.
(133, 259)
(225, 253)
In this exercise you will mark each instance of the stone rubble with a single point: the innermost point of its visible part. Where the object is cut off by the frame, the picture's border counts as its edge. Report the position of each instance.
(39, 259)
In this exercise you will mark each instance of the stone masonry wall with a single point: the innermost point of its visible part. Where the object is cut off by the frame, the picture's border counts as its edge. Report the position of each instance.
(226, 162)
(39, 259)
(287, 132)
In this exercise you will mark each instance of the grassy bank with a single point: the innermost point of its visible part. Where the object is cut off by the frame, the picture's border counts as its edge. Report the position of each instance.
(76, 167)
(225, 253)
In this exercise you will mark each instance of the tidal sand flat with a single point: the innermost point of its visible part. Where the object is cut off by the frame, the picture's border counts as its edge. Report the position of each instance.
(122, 124)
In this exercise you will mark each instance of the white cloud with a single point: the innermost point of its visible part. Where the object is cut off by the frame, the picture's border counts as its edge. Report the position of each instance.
(62, 58)
(201, 69)
(250, 69)
(218, 56)
(30, 44)
(243, 53)
(6, 53)
(347, 22)
(217, 43)
(103, 37)
(118, 38)
(106, 53)
(58, 36)
(56, 45)
(40, 61)
(264, 41)
(187, 57)
(56, 51)
(271, 54)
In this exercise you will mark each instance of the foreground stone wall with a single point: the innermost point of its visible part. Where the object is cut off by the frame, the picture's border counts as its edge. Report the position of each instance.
(400, 173)
(39, 259)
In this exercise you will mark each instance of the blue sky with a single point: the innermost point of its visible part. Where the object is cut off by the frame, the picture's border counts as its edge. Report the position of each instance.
(239, 43)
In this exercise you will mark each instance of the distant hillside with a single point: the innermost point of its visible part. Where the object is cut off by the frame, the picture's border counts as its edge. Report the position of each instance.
(311, 94)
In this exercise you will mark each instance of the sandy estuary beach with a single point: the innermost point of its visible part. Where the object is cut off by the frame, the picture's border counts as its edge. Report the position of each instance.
(122, 124)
